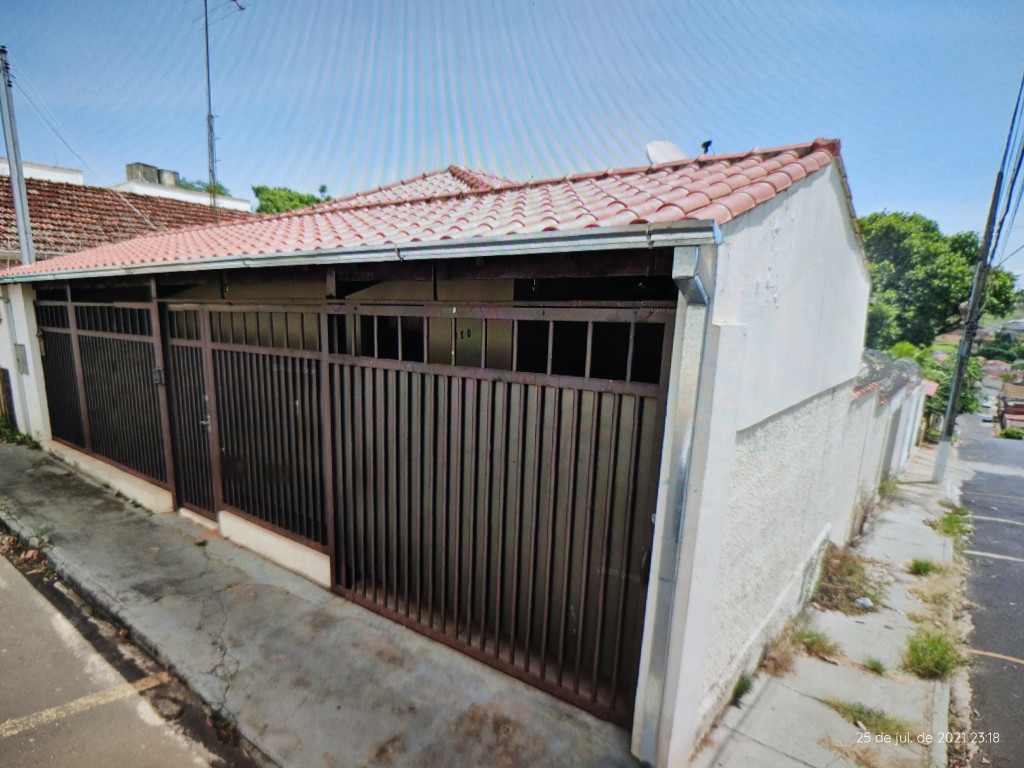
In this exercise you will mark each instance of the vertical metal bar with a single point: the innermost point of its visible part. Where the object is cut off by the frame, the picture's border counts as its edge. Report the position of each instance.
(431, 460)
(629, 354)
(551, 344)
(329, 478)
(391, 509)
(627, 540)
(216, 468)
(502, 465)
(379, 508)
(590, 348)
(605, 543)
(570, 514)
(458, 457)
(555, 432)
(398, 319)
(376, 337)
(361, 455)
(76, 352)
(159, 339)
(454, 323)
(518, 397)
(416, 490)
(537, 395)
(588, 517)
(515, 345)
(402, 551)
(483, 345)
(483, 505)
(469, 500)
(441, 510)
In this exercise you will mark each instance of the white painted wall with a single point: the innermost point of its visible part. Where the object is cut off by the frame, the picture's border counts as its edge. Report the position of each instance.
(771, 432)
(18, 315)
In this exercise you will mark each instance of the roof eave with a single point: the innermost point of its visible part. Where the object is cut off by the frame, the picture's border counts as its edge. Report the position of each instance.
(690, 232)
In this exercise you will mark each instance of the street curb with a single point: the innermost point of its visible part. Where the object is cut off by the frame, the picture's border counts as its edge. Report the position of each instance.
(108, 606)
(938, 756)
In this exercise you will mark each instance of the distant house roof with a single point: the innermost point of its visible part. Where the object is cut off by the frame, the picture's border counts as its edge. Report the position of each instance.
(1013, 391)
(930, 387)
(68, 218)
(467, 206)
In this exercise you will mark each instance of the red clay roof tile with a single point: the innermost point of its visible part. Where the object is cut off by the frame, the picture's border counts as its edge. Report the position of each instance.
(460, 204)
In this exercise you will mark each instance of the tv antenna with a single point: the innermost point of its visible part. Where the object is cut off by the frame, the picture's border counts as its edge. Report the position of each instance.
(211, 149)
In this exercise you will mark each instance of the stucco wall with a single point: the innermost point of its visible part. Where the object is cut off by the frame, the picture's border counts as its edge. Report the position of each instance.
(778, 441)
(29, 389)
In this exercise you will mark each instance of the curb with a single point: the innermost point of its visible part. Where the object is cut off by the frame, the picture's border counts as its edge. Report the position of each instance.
(108, 606)
(938, 756)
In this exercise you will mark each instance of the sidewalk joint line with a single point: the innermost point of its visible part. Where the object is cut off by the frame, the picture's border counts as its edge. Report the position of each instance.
(54, 714)
(989, 654)
(993, 555)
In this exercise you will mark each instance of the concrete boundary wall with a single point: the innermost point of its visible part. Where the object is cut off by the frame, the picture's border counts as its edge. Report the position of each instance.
(828, 456)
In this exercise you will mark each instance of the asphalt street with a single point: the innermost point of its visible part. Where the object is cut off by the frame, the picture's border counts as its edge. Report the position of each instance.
(996, 586)
(71, 695)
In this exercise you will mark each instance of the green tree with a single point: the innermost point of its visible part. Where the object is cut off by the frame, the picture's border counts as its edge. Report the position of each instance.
(1003, 347)
(920, 278)
(280, 199)
(942, 373)
(202, 186)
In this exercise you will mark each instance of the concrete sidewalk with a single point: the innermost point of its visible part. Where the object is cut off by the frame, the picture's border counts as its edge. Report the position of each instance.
(784, 721)
(309, 679)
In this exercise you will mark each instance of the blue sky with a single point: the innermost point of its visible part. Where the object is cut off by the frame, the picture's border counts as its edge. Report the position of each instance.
(356, 94)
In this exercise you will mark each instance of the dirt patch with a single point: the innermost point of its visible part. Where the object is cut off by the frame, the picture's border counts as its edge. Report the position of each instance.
(390, 751)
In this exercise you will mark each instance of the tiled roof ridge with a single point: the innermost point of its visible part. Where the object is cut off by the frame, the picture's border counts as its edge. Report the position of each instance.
(829, 145)
(474, 179)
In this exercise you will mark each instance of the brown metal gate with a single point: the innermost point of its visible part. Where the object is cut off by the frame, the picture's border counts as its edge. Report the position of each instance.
(497, 494)
(485, 474)
(103, 368)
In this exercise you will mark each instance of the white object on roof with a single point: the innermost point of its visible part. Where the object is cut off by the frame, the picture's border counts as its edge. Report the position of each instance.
(665, 152)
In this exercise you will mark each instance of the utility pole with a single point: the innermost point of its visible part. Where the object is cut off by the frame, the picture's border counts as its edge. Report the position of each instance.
(211, 151)
(28, 250)
(967, 339)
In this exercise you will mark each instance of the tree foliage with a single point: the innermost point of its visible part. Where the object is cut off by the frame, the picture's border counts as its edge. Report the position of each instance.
(1003, 347)
(920, 278)
(202, 186)
(281, 199)
(941, 372)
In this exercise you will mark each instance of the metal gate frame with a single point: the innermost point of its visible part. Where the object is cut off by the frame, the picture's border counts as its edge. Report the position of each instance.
(112, 324)
(310, 367)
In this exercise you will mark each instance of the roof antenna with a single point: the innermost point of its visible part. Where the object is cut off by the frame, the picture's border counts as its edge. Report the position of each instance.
(705, 145)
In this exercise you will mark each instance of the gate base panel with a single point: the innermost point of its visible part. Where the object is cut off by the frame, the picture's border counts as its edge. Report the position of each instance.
(135, 488)
(315, 566)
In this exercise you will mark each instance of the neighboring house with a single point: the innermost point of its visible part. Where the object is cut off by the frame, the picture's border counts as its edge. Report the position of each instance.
(1011, 405)
(995, 368)
(68, 216)
(594, 431)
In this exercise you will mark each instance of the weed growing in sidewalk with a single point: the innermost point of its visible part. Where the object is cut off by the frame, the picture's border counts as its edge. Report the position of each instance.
(814, 641)
(932, 654)
(875, 665)
(923, 567)
(10, 434)
(844, 578)
(741, 689)
(887, 488)
(860, 754)
(954, 525)
(874, 720)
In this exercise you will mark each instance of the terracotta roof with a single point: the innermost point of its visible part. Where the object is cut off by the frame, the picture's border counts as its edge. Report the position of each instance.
(718, 187)
(67, 218)
(452, 180)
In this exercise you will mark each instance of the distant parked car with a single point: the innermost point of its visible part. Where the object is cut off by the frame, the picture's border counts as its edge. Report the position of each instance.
(987, 403)
(986, 417)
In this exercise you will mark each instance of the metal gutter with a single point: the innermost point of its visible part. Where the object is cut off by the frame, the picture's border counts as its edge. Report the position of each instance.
(692, 232)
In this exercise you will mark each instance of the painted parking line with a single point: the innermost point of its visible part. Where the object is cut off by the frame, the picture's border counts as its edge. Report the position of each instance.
(993, 495)
(994, 555)
(53, 714)
(997, 519)
(989, 654)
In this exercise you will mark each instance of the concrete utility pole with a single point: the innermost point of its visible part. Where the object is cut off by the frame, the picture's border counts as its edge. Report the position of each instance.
(967, 339)
(28, 250)
(210, 150)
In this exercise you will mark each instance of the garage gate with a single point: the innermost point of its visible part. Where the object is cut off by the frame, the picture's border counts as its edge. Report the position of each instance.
(483, 473)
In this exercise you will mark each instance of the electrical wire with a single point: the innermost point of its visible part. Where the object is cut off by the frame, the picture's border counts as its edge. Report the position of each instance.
(1015, 140)
(16, 77)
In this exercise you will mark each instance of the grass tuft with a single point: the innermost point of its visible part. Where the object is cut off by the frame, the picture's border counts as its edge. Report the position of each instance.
(887, 488)
(932, 654)
(875, 665)
(741, 689)
(10, 434)
(874, 720)
(922, 567)
(814, 641)
(844, 578)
